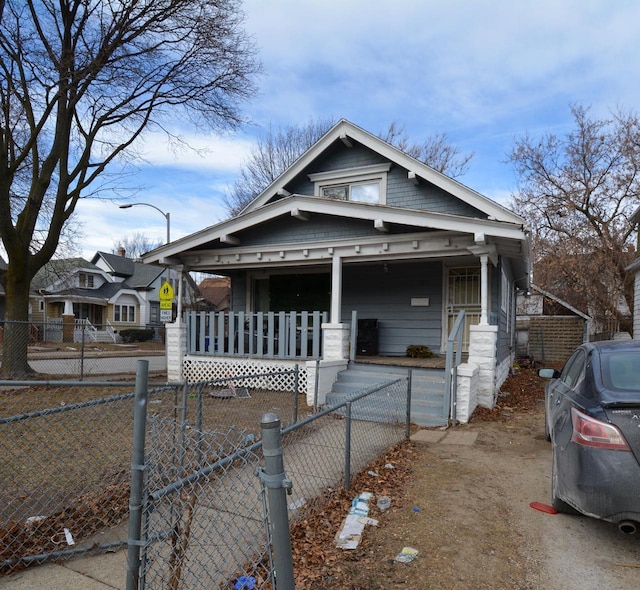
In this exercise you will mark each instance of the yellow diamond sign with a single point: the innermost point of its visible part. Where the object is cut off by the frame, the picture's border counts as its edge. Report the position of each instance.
(166, 293)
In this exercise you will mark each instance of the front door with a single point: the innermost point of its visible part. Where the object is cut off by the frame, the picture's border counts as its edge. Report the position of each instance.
(463, 293)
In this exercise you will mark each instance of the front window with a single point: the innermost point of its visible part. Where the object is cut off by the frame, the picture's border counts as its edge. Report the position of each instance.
(363, 192)
(124, 313)
(366, 184)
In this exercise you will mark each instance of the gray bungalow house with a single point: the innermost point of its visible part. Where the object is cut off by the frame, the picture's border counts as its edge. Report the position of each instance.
(356, 251)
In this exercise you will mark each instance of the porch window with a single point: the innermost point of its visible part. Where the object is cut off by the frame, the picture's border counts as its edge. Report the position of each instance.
(366, 184)
(124, 313)
(464, 293)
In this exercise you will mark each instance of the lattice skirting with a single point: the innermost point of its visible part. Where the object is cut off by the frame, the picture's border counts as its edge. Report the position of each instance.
(198, 368)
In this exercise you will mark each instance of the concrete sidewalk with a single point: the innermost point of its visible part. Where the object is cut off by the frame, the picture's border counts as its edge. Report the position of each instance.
(95, 572)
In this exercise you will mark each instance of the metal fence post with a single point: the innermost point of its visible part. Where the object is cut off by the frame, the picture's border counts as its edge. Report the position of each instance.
(407, 426)
(347, 447)
(82, 350)
(296, 392)
(137, 475)
(277, 485)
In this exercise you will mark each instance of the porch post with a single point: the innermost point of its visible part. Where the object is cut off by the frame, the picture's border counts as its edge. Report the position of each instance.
(484, 290)
(336, 289)
(68, 322)
(335, 345)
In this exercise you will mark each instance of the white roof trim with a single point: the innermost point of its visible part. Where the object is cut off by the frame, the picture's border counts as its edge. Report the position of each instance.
(345, 129)
(305, 205)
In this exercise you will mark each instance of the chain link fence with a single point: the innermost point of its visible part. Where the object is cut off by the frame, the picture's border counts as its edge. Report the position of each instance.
(77, 349)
(65, 475)
(69, 477)
(206, 522)
(66, 469)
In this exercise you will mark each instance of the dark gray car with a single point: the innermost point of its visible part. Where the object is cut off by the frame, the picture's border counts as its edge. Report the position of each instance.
(593, 422)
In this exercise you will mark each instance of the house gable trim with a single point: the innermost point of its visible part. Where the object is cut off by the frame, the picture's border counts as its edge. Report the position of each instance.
(417, 169)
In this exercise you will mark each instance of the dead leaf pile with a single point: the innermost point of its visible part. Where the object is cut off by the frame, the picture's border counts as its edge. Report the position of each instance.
(318, 563)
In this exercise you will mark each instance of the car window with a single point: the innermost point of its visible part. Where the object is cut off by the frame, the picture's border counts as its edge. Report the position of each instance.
(573, 373)
(621, 371)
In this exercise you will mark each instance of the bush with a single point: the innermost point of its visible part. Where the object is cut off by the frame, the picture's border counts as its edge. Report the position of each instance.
(419, 351)
(136, 335)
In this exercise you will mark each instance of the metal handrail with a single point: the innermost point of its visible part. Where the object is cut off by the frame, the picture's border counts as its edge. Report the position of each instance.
(451, 371)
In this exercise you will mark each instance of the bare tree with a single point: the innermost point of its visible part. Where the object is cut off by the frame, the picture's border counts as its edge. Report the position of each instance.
(578, 193)
(136, 245)
(277, 150)
(270, 157)
(80, 82)
(436, 151)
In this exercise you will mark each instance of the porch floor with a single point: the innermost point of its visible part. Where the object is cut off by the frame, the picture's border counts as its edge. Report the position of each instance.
(437, 362)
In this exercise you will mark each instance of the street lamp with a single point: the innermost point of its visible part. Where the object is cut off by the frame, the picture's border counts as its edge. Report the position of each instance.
(166, 215)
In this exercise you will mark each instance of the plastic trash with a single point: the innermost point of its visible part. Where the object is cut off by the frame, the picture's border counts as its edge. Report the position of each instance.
(383, 503)
(407, 555)
(245, 583)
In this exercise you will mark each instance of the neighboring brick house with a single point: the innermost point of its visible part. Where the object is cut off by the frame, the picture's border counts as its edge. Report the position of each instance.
(548, 329)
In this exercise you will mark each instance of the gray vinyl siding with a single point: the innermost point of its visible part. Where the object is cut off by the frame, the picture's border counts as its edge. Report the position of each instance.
(504, 343)
(401, 192)
(386, 297)
(286, 230)
(238, 297)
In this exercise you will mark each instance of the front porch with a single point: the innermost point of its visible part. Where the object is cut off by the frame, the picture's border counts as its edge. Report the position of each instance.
(465, 382)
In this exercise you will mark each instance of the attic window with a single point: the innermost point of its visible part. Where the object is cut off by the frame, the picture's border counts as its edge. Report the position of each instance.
(366, 184)
(86, 280)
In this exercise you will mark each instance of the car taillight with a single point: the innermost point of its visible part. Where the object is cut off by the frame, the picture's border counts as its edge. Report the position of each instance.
(589, 432)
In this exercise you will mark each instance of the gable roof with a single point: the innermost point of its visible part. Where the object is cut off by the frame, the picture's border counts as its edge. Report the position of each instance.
(136, 274)
(345, 131)
(58, 270)
(561, 302)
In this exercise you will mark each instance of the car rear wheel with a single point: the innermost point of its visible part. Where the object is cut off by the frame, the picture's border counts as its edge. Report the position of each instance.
(559, 504)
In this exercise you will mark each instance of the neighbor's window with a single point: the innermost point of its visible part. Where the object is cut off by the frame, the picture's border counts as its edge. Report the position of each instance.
(367, 184)
(124, 313)
(86, 280)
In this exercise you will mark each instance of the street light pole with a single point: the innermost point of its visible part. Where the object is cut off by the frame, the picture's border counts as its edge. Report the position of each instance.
(166, 215)
(168, 218)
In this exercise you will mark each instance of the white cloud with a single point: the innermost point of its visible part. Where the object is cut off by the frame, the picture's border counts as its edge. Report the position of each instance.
(211, 152)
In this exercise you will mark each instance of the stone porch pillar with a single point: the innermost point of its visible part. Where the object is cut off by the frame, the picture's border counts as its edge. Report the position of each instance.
(483, 353)
(68, 322)
(176, 349)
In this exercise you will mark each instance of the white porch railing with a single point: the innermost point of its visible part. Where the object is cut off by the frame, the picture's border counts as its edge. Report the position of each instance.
(84, 331)
(292, 335)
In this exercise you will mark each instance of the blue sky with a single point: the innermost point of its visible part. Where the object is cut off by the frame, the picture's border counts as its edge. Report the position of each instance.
(482, 71)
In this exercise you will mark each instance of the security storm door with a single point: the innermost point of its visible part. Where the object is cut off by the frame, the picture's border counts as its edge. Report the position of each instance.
(463, 293)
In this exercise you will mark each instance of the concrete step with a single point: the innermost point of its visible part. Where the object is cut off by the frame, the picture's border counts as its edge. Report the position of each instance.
(427, 393)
